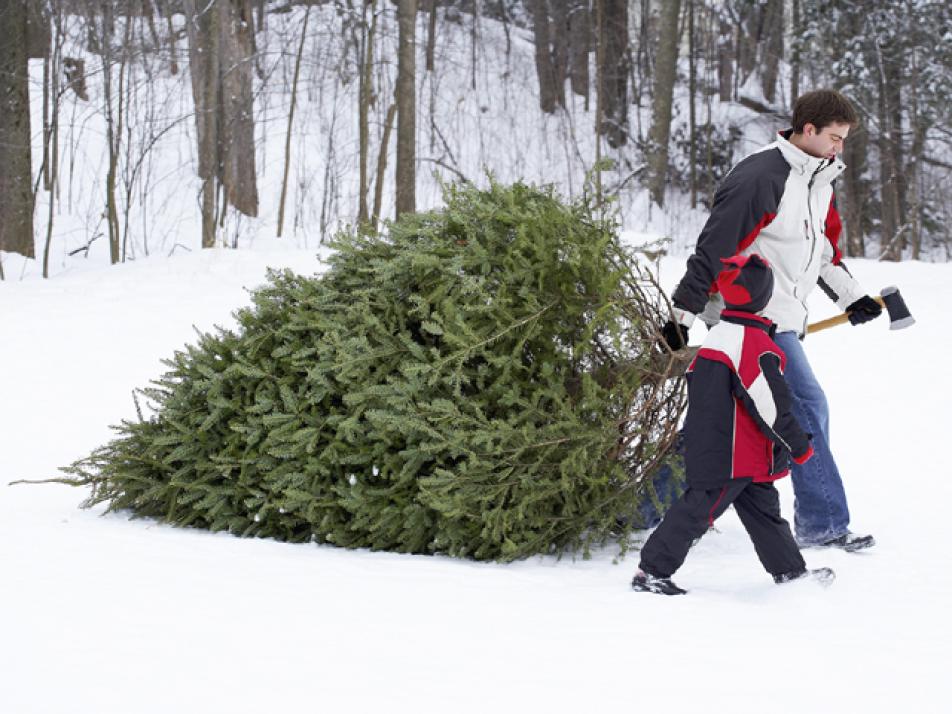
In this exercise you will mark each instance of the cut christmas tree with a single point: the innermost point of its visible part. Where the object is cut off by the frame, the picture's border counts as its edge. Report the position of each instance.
(483, 381)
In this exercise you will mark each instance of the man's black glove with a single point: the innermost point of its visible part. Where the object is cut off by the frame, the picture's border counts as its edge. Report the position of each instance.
(675, 334)
(864, 310)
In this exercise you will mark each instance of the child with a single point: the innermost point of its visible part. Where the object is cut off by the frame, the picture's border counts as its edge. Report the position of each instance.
(739, 438)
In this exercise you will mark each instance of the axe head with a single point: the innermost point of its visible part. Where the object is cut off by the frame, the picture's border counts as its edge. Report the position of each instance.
(899, 315)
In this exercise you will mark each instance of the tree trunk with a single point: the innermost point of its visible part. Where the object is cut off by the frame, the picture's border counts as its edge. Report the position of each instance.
(287, 140)
(236, 99)
(431, 38)
(888, 185)
(613, 34)
(363, 109)
(16, 190)
(748, 29)
(772, 48)
(725, 60)
(221, 41)
(561, 46)
(599, 101)
(912, 182)
(852, 199)
(692, 103)
(665, 74)
(544, 61)
(580, 45)
(890, 138)
(39, 37)
(203, 39)
(382, 166)
(166, 11)
(795, 52)
(406, 108)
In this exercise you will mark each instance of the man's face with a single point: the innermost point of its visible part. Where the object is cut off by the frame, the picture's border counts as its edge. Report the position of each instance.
(825, 143)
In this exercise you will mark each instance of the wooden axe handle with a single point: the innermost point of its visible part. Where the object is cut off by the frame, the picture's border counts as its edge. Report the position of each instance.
(838, 320)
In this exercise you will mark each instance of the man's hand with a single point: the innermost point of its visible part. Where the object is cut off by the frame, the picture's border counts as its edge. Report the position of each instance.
(675, 335)
(864, 310)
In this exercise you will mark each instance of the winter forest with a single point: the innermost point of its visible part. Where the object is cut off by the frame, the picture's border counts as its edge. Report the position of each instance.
(140, 127)
(334, 372)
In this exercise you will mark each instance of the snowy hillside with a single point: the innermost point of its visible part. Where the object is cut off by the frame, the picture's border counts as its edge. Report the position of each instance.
(103, 615)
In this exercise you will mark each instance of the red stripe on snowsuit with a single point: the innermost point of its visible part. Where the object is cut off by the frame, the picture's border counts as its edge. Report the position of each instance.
(710, 515)
(753, 452)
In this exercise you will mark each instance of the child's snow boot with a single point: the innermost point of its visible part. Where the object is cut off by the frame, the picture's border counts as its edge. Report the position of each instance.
(646, 583)
(824, 576)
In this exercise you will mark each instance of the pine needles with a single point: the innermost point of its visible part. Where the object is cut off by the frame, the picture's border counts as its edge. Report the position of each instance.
(483, 382)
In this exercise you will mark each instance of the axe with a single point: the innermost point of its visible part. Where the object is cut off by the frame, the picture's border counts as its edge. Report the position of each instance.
(889, 298)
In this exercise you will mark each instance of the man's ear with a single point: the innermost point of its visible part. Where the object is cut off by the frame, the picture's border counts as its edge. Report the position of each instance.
(809, 129)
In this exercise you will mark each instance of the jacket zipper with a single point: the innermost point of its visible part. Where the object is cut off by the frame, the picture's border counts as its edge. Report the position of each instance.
(811, 233)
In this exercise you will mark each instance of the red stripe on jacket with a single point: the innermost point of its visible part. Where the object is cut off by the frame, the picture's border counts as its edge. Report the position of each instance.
(746, 242)
(833, 228)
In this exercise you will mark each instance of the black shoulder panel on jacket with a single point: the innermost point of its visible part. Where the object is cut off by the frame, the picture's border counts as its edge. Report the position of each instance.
(709, 425)
(745, 202)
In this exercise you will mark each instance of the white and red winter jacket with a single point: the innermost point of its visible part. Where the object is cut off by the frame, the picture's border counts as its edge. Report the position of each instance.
(739, 423)
(778, 202)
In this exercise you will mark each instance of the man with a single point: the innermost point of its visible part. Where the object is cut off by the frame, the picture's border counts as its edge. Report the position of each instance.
(779, 202)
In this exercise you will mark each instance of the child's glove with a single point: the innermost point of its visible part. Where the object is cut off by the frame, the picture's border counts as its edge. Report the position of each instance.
(864, 310)
(675, 335)
(805, 456)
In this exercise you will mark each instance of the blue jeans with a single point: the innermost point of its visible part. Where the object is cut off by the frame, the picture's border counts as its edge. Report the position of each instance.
(820, 510)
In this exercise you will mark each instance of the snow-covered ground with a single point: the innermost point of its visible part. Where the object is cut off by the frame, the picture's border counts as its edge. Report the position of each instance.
(102, 614)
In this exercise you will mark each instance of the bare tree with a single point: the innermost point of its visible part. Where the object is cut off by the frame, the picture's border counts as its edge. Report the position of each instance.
(579, 34)
(406, 108)
(771, 48)
(551, 82)
(365, 96)
(795, 50)
(665, 74)
(287, 142)
(725, 56)
(853, 198)
(221, 42)
(615, 59)
(16, 191)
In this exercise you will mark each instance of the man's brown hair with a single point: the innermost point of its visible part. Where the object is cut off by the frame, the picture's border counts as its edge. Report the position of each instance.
(822, 108)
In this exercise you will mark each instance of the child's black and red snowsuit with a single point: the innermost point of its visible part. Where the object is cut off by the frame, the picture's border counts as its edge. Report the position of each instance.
(739, 432)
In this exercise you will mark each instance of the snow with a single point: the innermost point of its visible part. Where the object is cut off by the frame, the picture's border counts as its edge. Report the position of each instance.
(103, 614)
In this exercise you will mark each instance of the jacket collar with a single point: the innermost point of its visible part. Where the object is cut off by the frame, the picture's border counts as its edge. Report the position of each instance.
(749, 319)
(824, 170)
